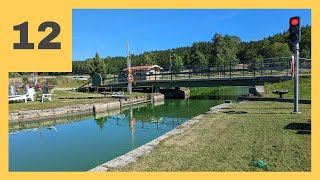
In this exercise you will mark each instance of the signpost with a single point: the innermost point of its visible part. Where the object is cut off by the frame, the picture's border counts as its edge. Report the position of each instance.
(129, 87)
(294, 39)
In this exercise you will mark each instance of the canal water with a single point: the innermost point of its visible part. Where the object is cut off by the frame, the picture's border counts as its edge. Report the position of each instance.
(82, 142)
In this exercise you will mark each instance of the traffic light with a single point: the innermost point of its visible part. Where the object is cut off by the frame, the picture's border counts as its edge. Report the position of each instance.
(294, 30)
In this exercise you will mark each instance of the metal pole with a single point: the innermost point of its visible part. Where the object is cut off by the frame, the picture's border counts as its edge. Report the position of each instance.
(296, 78)
(171, 63)
(129, 88)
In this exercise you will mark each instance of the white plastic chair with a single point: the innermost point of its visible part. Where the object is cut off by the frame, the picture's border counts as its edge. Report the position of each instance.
(30, 93)
(18, 97)
(47, 96)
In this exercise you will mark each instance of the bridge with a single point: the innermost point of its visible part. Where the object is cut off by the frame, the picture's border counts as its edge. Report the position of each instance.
(226, 74)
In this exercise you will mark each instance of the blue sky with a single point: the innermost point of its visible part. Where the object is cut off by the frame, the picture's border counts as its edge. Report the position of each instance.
(105, 31)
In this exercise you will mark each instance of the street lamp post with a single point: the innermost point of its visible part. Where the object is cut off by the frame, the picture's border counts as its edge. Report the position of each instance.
(171, 63)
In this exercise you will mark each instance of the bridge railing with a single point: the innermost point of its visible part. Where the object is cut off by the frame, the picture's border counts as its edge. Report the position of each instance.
(264, 67)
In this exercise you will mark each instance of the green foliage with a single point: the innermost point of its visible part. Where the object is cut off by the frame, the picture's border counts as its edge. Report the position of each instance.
(304, 88)
(64, 82)
(225, 48)
(177, 63)
(221, 49)
(279, 50)
(25, 79)
(14, 75)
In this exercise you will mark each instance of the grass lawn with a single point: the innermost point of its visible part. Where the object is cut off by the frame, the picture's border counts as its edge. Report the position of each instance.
(304, 88)
(231, 139)
(56, 102)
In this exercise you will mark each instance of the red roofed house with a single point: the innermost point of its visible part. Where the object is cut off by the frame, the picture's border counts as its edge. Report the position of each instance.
(144, 72)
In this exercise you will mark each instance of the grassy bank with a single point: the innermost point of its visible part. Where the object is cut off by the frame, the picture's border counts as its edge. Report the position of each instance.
(232, 139)
(56, 102)
(304, 88)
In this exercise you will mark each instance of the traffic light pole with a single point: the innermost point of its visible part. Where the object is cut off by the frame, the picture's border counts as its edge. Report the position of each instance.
(296, 78)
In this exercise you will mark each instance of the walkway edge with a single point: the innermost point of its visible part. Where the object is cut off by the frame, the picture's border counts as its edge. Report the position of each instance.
(134, 154)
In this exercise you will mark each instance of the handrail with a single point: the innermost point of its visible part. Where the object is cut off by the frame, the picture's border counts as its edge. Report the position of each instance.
(263, 67)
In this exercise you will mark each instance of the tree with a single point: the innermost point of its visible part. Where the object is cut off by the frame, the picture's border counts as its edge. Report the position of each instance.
(279, 50)
(224, 48)
(177, 63)
(98, 66)
(197, 58)
(148, 58)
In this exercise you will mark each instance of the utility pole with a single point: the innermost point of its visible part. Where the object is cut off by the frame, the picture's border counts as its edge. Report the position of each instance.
(294, 39)
(129, 87)
(296, 78)
(170, 60)
(171, 63)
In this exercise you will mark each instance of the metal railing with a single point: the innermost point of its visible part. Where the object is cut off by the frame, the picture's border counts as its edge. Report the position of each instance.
(265, 67)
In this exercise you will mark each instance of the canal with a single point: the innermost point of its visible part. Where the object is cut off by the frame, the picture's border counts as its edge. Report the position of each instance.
(83, 142)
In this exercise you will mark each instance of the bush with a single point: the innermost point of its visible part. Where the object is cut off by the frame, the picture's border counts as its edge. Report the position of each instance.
(25, 80)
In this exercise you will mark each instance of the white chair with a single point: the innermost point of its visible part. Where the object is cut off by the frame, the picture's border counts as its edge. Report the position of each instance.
(30, 93)
(18, 97)
(46, 95)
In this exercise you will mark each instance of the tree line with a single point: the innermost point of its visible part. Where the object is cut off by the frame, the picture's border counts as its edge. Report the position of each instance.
(220, 49)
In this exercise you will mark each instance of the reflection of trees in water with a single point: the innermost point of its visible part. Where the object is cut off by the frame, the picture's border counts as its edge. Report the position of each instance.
(171, 114)
(101, 121)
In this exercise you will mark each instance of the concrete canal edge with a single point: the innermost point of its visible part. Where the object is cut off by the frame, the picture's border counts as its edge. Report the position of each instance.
(133, 155)
(31, 115)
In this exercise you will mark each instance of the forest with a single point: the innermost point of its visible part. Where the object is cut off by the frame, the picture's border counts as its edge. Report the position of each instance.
(220, 49)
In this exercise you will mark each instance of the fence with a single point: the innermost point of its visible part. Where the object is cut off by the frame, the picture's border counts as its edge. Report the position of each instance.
(265, 67)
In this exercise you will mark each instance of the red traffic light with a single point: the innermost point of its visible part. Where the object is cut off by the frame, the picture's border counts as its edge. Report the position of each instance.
(294, 21)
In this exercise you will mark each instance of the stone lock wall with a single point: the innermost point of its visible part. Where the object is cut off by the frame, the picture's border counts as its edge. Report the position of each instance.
(34, 114)
(30, 115)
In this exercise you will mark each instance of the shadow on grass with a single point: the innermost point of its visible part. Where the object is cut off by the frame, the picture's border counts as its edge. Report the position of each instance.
(272, 108)
(235, 112)
(302, 128)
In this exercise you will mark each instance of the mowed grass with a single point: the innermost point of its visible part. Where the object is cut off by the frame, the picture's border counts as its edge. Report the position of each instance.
(232, 139)
(56, 102)
(304, 88)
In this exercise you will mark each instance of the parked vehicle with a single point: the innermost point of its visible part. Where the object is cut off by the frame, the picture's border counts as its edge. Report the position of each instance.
(81, 78)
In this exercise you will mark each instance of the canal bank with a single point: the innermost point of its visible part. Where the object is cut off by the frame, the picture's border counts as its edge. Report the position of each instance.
(234, 138)
(33, 115)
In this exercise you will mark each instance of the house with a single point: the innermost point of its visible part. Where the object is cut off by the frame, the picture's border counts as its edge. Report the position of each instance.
(149, 72)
